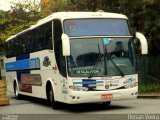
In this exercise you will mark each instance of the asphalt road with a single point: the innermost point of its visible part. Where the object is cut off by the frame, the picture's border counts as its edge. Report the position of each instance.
(32, 108)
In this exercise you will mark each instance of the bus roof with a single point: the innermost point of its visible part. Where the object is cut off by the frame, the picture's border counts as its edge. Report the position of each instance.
(72, 15)
(75, 15)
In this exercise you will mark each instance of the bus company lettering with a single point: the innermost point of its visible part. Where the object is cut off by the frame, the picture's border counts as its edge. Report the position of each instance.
(112, 82)
(34, 63)
(87, 71)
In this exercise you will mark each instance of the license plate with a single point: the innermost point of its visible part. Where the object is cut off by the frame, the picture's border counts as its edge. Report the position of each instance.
(106, 96)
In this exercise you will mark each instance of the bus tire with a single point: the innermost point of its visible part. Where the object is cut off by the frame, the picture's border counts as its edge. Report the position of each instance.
(16, 93)
(55, 105)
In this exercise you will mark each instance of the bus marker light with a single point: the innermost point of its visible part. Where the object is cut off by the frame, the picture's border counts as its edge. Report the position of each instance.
(55, 67)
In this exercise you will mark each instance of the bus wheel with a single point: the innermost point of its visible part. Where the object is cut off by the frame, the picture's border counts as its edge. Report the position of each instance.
(54, 104)
(107, 103)
(17, 95)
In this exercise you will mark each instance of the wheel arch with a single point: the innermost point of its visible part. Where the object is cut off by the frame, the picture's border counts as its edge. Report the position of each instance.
(15, 82)
(49, 85)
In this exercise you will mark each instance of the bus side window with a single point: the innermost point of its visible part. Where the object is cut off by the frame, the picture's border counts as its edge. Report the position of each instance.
(7, 49)
(48, 36)
(18, 50)
(49, 39)
(40, 40)
(11, 48)
(28, 42)
(34, 41)
(24, 47)
(60, 59)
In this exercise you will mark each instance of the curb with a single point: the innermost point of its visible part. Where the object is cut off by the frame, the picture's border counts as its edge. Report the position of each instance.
(149, 96)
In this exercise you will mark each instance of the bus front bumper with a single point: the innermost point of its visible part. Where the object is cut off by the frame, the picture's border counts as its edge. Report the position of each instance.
(77, 97)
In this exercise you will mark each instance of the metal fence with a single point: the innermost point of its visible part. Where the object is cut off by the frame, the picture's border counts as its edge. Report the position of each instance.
(149, 69)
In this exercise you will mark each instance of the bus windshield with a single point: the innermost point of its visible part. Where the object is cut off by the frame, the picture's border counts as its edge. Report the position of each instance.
(98, 57)
(96, 27)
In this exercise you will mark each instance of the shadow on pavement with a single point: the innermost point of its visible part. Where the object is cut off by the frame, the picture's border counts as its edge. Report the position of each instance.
(75, 108)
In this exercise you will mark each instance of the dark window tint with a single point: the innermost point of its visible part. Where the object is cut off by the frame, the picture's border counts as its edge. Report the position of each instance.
(96, 27)
(34, 40)
(60, 59)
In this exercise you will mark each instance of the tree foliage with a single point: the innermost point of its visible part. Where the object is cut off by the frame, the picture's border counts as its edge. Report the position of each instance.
(22, 15)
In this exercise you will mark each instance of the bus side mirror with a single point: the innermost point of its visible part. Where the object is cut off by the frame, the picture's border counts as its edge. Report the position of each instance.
(143, 41)
(65, 45)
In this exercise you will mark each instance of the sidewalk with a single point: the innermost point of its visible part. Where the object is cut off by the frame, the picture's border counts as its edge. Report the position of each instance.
(149, 95)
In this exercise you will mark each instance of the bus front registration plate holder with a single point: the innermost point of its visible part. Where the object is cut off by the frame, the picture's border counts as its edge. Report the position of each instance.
(106, 96)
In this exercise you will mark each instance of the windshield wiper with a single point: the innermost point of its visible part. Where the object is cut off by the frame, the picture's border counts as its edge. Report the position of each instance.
(99, 59)
(115, 65)
(96, 63)
(109, 55)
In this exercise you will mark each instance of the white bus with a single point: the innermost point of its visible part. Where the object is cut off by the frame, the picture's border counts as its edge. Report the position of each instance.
(75, 57)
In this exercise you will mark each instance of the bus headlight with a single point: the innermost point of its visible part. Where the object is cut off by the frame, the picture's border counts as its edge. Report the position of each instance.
(78, 88)
(131, 85)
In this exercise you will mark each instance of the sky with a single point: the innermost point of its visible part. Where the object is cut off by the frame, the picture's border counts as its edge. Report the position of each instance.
(6, 5)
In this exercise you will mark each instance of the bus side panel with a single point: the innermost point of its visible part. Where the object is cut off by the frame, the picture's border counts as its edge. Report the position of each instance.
(32, 79)
(48, 71)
